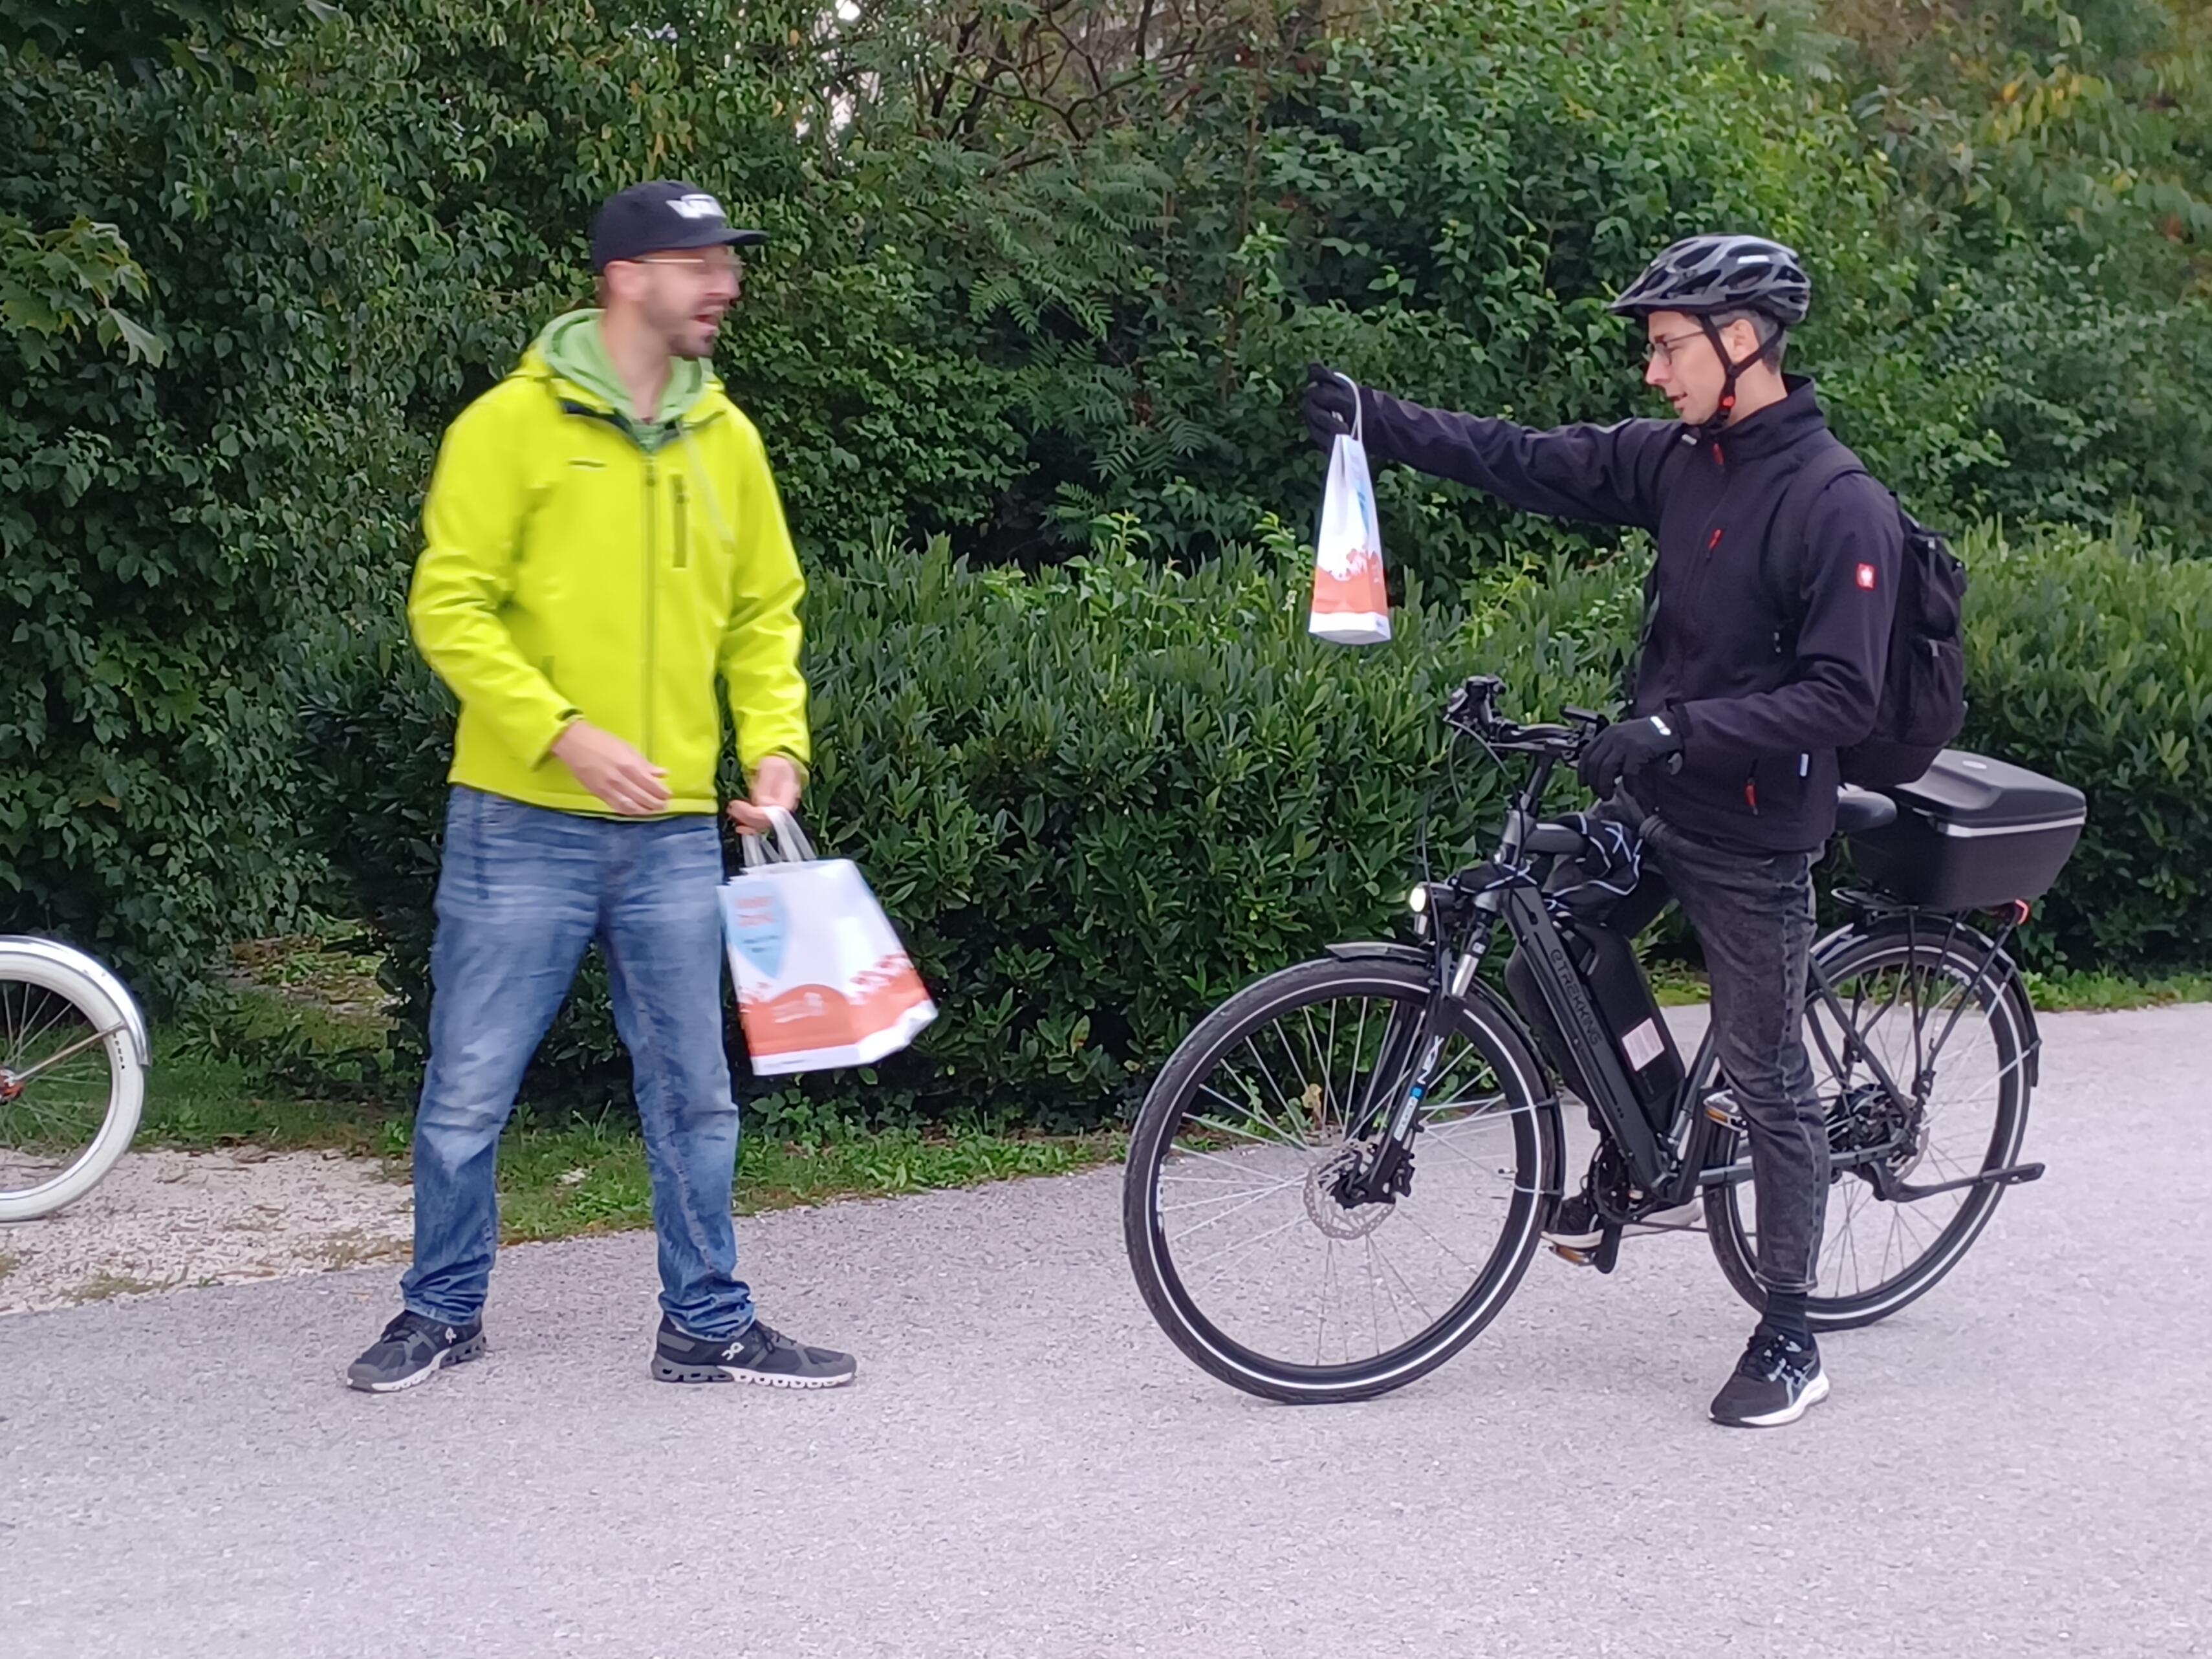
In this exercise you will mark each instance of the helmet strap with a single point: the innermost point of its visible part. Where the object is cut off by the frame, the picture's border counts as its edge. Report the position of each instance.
(1730, 370)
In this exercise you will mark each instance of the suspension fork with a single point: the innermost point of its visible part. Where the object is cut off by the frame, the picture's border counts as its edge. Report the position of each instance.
(1406, 1068)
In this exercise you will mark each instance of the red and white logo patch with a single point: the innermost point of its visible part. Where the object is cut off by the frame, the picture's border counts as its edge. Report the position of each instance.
(1866, 577)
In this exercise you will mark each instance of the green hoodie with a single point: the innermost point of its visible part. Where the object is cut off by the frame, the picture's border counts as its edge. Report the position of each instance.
(575, 348)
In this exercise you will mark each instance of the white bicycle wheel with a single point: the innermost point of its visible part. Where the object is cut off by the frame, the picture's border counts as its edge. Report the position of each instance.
(73, 1058)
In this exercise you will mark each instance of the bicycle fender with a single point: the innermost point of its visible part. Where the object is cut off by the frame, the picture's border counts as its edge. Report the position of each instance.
(59, 955)
(1412, 954)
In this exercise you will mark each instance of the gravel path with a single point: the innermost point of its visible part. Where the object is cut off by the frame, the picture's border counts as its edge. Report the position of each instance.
(2016, 1466)
(167, 1221)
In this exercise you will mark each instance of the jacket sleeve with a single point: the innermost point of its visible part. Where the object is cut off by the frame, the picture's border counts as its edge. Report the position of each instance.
(472, 530)
(1847, 594)
(759, 655)
(1604, 474)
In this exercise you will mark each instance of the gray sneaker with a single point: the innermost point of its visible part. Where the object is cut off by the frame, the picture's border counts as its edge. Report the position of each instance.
(414, 1349)
(760, 1355)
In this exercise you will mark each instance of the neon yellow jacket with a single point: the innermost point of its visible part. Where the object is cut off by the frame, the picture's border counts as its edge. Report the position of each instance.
(580, 563)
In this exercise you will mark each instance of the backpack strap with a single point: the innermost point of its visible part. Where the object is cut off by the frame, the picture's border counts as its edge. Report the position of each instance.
(1781, 562)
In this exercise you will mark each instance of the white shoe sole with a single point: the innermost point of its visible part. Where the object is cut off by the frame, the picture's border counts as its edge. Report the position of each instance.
(459, 1355)
(1812, 1396)
(1658, 1221)
(667, 1370)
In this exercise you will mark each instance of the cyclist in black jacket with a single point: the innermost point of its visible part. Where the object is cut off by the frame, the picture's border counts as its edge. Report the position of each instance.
(1743, 694)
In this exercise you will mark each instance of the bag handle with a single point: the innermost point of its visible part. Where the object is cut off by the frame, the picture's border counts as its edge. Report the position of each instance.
(1358, 409)
(791, 846)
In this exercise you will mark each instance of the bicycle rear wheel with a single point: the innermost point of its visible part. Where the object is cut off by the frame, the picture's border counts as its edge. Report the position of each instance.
(71, 1083)
(1242, 1236)
(1923, 1006)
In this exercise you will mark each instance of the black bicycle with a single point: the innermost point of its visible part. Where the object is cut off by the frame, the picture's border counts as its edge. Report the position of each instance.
(1341, 1174)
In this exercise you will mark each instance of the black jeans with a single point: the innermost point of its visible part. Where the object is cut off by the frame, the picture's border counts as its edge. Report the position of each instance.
(1753, 915)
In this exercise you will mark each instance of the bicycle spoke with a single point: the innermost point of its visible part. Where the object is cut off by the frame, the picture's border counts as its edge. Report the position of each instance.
(1321, 1067)
(1278, 1138)
(1254, 1193)
(1233, 1251)
(1915, 1055)
(1267, 1072)
(1329, 1285)
(1210, 1157)
(1197, 1228)
(1257, 1198)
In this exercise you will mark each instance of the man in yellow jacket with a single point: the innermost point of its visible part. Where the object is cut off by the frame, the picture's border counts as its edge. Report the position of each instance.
(603, 542)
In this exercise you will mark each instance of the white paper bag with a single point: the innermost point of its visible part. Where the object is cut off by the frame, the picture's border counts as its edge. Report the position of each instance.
(823, 980)
(1351, 604)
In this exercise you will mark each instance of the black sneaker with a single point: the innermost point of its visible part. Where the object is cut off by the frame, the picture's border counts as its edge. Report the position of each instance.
(1576, 1229)
(1778, 1380)
(414, 1349)
(761, 1355)
(1574, 1224)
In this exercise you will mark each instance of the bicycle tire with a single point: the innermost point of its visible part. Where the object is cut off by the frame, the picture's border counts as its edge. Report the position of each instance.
(1849, 956)
(85, 989)
(1491, 1035)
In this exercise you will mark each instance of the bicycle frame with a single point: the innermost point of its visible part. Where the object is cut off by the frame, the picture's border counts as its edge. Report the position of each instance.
(1461, 916)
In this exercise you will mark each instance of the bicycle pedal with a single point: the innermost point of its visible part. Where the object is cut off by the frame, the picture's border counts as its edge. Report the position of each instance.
(1578, 1256)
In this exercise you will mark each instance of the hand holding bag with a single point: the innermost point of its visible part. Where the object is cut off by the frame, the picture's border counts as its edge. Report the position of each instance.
(1351, 604)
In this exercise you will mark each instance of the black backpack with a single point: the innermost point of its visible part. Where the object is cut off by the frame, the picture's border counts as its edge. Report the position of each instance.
(1923, 690)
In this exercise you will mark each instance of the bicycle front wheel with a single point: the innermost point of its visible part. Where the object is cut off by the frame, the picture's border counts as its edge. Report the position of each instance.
(71, 1084)
(1949, 1032)
(1259, 1260)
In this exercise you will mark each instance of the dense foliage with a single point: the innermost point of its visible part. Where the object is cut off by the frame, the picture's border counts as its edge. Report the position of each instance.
(1034, 267)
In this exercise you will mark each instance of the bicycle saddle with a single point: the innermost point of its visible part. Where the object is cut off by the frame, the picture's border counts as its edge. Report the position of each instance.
(1860, 809)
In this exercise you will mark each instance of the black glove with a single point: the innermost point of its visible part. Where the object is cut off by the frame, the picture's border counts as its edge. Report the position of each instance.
(1629, 747)
(1332, 405)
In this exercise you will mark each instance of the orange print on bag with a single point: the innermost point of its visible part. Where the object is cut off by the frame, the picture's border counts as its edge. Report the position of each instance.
(1356, 589)
(808, 1017)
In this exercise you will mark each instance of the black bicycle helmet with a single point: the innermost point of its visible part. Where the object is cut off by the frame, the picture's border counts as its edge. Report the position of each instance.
(1702, 276)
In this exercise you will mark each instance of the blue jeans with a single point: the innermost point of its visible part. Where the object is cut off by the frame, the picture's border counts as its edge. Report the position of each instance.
(522, 894)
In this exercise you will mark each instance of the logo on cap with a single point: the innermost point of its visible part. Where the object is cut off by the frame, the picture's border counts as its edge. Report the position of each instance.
(699, 206)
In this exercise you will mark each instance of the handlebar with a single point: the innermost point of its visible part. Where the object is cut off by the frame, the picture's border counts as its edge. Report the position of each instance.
(1473, 710)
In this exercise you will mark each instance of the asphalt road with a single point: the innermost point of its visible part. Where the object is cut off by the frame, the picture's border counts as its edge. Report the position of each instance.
(2018, 1465)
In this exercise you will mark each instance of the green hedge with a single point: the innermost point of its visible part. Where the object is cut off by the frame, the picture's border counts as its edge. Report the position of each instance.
(2090, 659)
(1094, 800)
(1097, 800)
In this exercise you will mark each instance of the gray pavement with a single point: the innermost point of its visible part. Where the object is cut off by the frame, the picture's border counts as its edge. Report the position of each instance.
(2017, 1465)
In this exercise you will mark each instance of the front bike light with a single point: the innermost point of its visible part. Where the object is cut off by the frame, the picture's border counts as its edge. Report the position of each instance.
(1418, 903)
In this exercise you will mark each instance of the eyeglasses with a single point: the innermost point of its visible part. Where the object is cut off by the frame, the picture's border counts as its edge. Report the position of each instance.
(714, 262)
(1662, 349)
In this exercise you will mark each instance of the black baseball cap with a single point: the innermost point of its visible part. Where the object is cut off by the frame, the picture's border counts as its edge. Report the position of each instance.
(661, 217)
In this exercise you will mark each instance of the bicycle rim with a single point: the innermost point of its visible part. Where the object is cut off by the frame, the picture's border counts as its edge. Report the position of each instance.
(70, 1090)
(1922, 1006)
(1249, 1255)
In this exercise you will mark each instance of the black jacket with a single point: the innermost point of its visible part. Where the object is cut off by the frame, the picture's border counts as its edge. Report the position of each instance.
(1768, 684)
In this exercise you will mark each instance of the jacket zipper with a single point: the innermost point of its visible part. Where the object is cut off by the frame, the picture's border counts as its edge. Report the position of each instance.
(682, 528)
(652, 557)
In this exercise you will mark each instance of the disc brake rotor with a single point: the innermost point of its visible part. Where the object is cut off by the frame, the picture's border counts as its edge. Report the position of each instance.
(1326, 1211)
